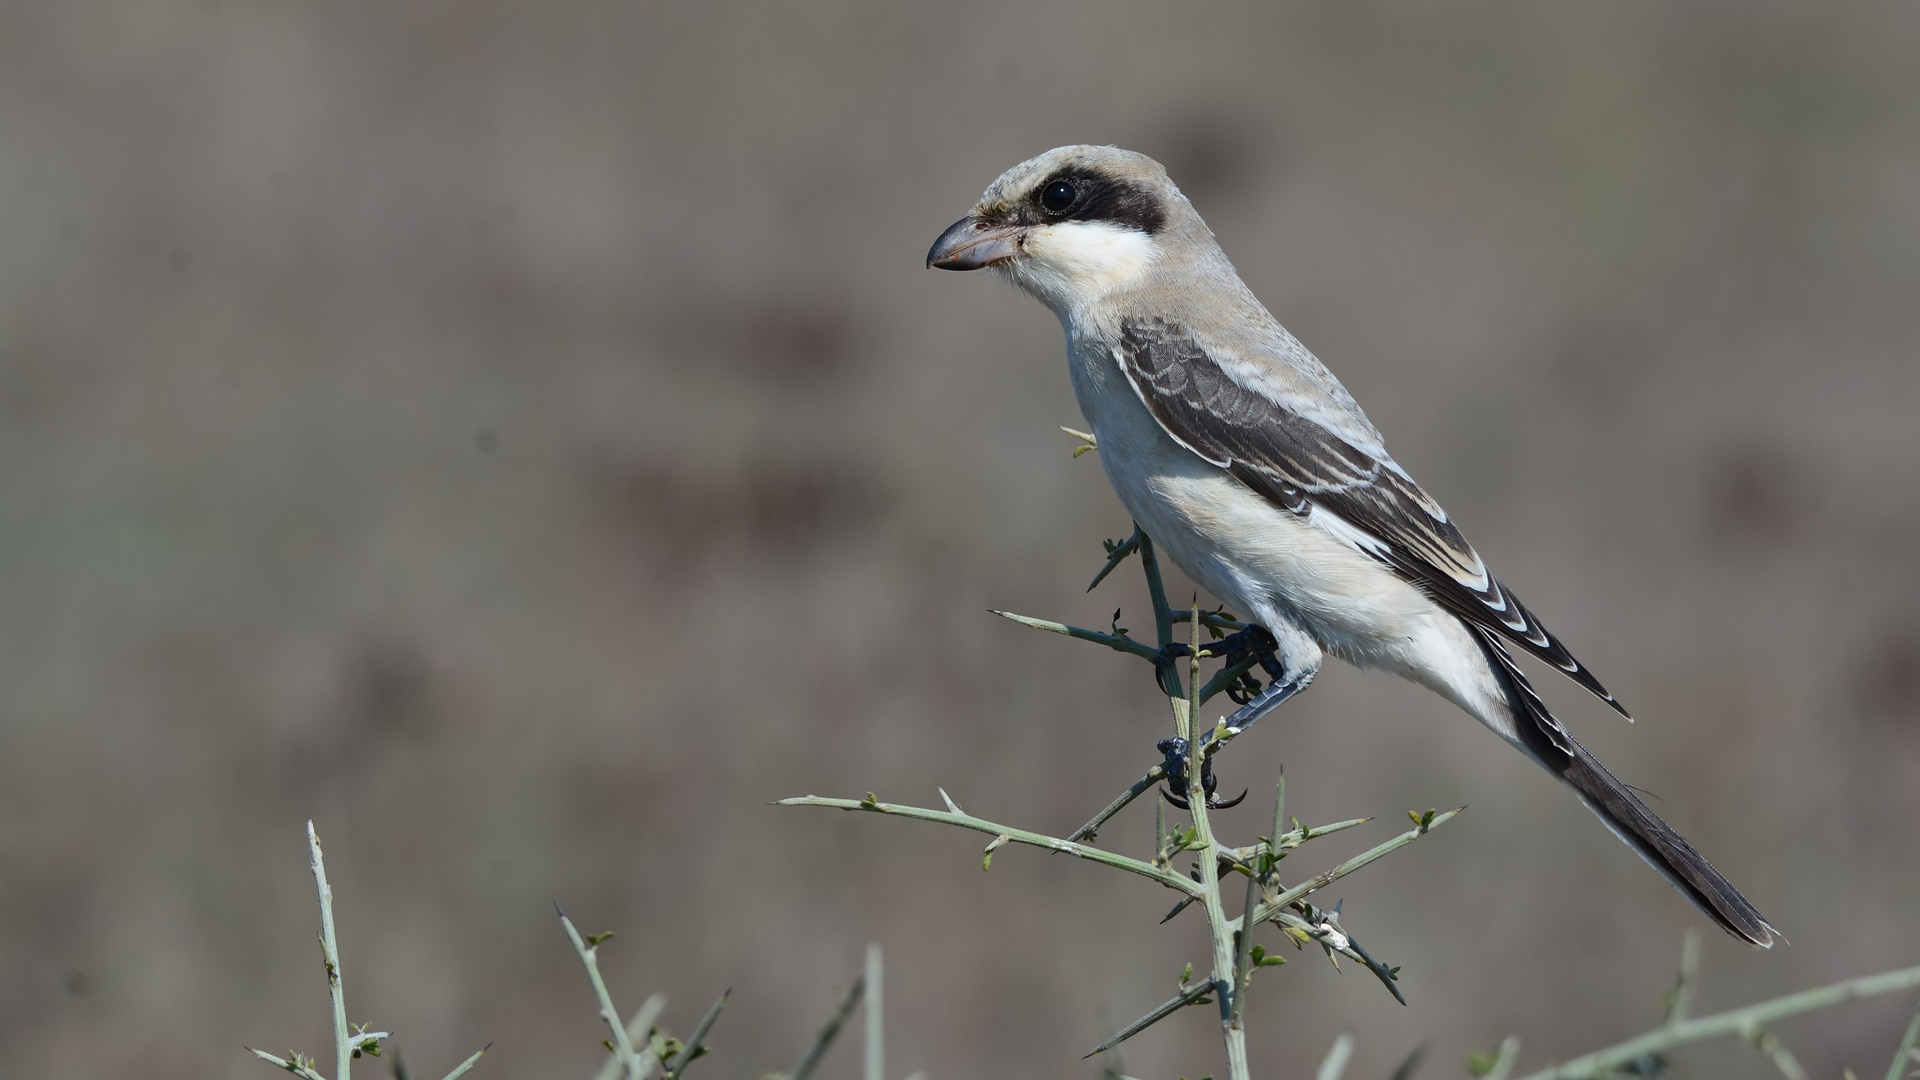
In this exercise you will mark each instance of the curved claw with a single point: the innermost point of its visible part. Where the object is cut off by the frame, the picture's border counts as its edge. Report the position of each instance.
(1163, 664)
(1178, 755)
(1212, 803)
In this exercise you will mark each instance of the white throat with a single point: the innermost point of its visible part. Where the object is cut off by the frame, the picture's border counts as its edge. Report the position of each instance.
(1074, 263)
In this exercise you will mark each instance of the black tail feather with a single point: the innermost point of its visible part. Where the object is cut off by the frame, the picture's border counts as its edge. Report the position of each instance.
(1549, 743)
(1665, 850)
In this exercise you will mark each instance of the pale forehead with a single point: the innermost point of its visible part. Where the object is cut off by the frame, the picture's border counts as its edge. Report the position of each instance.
(1016, 182)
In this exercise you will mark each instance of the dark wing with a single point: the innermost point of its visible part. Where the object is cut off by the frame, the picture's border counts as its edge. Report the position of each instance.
(1300, 465)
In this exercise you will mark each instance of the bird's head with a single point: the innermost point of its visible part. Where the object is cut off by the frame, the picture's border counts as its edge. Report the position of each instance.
(1072, 225)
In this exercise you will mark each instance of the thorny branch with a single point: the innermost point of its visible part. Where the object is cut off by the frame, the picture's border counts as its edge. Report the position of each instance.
(1207, 881)
(637, 1048)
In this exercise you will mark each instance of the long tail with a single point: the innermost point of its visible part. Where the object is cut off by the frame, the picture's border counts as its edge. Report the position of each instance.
(1549, 743)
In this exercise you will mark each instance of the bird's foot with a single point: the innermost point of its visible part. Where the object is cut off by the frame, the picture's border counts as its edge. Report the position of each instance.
(1253, 642)
(1179, 756)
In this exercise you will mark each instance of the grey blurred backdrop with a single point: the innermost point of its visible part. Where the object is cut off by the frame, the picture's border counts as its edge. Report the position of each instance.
(523, 439)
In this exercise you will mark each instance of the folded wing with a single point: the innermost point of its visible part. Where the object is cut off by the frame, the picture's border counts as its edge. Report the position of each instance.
(1305, 468)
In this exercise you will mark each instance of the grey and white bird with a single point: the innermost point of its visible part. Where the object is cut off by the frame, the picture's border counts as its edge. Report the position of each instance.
(1247, 462)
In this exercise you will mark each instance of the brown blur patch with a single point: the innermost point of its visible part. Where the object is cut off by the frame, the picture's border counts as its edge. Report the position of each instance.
(1753, 497)
(770, 504)
(789, 342)
(1885, 680)
(1210, 158)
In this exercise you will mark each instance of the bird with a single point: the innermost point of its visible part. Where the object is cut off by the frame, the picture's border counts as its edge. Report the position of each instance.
(1242, 457)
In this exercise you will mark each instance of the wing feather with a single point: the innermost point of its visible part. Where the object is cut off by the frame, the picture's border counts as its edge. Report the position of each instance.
(1306, 468)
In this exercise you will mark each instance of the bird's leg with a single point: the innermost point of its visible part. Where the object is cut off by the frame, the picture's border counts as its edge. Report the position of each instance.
(1285, 684)
(1287, 680)
(1290, 658)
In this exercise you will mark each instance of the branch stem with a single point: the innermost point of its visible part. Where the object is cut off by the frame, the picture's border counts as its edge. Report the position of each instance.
(330, 948)
(876, 1056)
(623, 1046)
(1018, 836)
(1320, 881)
(1737, 1022)
(1162, 614)
(1116, 642)
(1903, 1056)
(1140, 787)
(1225, 969)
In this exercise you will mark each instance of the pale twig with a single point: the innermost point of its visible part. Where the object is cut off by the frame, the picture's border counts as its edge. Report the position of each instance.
(1293, 838)
(1019, 836)
(876, 1056)
(1736, 1022)
(1504, 1059)
(1684, 984)
(638, 1029)
(829, 1031)
(1429, 822)
(1769, 1044)
(1334, 1065)
(1905, 1056)
(1279, 813)
(1116, 642)
(1242, 948)
(623, 1046)
(297, 1065)
(460, 1070)
(330, 949)
(348, 1044)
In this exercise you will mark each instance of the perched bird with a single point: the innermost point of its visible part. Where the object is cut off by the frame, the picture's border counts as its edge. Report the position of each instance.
(1245, 460)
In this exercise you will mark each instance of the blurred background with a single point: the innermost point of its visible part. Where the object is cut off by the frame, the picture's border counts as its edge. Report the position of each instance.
(523, 439)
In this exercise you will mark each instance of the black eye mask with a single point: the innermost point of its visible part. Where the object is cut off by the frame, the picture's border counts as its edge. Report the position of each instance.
(1081, 194)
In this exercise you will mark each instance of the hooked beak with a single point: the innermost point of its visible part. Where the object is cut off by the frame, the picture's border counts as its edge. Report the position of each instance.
(971, 244)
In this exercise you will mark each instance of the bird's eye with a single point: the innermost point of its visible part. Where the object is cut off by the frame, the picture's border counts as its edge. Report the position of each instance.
(1058, 196)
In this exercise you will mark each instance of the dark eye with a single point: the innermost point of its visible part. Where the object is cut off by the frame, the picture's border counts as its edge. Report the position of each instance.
(1057, 196)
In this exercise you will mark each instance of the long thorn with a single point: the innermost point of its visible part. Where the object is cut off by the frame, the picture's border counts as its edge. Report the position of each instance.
(830, 1030)
(1334, 1065)
(1117, 556)
(692, 1046)
(1140, 787)
(461, 1069)
(1189, 996)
